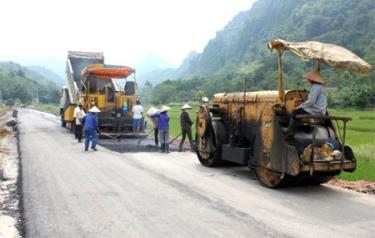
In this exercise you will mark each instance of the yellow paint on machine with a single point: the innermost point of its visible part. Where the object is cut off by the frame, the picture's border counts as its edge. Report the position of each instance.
(102, 101)
(69, 113)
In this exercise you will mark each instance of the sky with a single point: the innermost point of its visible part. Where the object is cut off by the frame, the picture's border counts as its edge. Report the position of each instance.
(126, 31)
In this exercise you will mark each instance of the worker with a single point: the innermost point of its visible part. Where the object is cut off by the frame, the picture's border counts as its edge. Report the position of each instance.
(79, 113)
(154, 121)
(111, 94)
(316, 103)
(137, 117)
(186, 124)
(204, 101)
(163, 126)
(76, 110)
(91, 126)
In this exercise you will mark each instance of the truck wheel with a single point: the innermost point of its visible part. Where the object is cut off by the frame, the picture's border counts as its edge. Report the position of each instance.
(268, 178)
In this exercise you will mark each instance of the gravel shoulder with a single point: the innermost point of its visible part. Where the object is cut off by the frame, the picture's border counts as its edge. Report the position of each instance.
(10, 212)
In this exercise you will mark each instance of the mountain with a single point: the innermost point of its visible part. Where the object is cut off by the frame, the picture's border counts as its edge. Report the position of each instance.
(47, 74)
(239, 52)
(349, 23)
(57, 65)
(157, 76)
(161, 74)
(151, 65)
(18, 84)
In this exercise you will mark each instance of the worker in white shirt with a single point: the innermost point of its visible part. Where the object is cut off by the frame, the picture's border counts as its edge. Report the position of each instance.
(137, 117)
(79, 113)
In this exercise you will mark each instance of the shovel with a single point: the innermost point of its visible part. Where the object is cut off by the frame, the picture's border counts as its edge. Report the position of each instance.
(148, 133)
(110, 136)
(174, 138)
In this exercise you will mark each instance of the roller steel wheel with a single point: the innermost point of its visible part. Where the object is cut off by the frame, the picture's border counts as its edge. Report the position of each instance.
(215, 136)
(268, 178)
(209, 159)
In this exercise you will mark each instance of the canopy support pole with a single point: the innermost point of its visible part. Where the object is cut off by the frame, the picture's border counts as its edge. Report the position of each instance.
(280, 75)
(318, 65)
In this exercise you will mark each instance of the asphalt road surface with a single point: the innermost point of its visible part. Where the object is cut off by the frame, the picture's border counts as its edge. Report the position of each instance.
(71, 193)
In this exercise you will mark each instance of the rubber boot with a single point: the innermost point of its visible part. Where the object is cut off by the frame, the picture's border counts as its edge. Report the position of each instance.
(162, 147)
(166, 148)
(192, 147)
(180, 147)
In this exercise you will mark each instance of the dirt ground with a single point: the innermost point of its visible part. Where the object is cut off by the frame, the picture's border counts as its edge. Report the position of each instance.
(362, 186)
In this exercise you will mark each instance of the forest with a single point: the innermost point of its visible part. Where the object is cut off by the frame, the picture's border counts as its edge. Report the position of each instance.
(19, 85)
(237, 59)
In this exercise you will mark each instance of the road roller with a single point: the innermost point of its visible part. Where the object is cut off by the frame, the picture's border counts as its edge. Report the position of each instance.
(249, 128)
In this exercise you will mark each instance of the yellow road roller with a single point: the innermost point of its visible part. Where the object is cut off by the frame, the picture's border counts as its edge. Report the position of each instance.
(249, 128)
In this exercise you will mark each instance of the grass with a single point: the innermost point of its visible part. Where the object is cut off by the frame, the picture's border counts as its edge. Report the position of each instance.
(3, 111)
(361, 138)
(51, 108)
(360, 134)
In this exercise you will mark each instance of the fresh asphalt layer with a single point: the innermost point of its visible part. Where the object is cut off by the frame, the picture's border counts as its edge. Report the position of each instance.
(71, 193)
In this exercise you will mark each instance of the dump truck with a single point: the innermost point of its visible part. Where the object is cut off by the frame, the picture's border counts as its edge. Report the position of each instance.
(250, 128)
(93, 83)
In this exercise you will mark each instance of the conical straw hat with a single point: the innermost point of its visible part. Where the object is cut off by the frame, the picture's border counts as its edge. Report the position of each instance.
(151, 111)
(94, 109)
(315, 76)
(185, 106)
(164, 108)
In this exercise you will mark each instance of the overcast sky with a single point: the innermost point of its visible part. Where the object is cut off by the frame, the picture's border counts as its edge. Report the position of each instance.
(126, 31)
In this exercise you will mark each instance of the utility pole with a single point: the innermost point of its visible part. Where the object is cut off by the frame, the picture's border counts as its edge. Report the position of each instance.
(37, 96)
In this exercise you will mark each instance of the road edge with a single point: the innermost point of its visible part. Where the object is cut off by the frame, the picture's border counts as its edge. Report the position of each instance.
(20, 224)
(11, 210)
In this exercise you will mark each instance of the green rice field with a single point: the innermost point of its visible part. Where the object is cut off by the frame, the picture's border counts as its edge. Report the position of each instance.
(51, 108)
(361, 138)
(360, 135)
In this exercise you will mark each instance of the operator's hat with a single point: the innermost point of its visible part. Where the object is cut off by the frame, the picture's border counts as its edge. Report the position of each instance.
(94, 109)
(164, 108)
(185, 106)
(315, 76)
(205, 100)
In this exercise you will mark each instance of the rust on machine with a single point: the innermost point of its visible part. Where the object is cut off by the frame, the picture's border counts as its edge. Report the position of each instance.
(248, 128)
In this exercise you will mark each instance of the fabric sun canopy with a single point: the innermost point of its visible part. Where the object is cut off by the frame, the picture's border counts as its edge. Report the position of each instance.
(107, 71)
(329, 54)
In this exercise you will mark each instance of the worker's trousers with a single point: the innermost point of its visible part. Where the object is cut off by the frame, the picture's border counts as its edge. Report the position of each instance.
(94, 136)
(78, 132)
(188, 133)
(164, 136)
(156, 135)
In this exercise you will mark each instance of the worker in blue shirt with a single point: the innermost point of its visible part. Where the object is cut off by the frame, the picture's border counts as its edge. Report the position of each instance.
(91, 127)
(163, 127)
